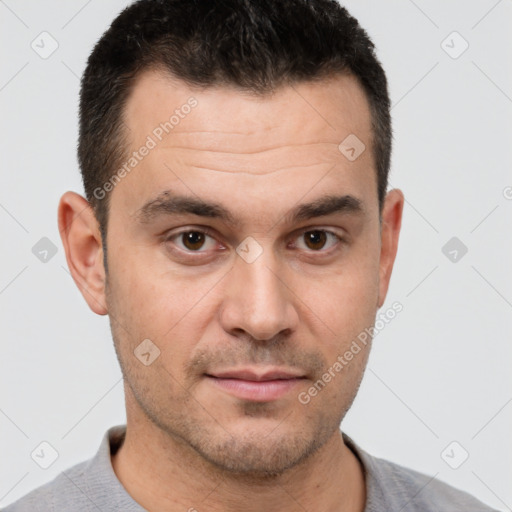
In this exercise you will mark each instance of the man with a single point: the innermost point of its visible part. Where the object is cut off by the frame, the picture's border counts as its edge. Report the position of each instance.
(239, 233)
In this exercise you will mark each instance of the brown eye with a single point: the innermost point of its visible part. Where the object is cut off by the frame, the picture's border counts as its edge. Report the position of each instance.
(317, 239)
(193, 240)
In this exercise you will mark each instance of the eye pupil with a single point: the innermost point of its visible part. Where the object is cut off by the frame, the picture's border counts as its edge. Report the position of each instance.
(315, 238)
(193, 240)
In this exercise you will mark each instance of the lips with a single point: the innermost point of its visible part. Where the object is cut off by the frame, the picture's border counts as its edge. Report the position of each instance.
(256, 376)
(260, 385)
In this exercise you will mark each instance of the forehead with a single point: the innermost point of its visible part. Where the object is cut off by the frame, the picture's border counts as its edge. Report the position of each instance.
(217, 140)
(326, 111)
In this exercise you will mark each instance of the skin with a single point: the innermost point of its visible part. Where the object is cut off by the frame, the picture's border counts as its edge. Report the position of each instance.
(190, 444)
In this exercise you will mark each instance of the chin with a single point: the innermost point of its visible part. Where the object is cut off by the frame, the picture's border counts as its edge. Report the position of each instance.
(255, 455)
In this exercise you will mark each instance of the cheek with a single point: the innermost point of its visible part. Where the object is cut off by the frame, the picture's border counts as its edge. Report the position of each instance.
(170, 310)
(342, 301)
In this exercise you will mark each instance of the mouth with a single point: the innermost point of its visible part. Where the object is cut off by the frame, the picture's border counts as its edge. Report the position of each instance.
(258, 385)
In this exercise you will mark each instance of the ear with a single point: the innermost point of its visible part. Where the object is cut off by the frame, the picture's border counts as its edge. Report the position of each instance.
(390, 231)
(81, 237)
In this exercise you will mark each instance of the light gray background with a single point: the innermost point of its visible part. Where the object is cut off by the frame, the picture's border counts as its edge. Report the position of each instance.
(439, 372)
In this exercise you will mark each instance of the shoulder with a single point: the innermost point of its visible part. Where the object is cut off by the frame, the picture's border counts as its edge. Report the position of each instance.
(415, 491)
(87, 486)
(390, 486)
(62, 493)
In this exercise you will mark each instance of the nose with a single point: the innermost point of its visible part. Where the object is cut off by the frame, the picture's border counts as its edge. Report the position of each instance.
(258, 300)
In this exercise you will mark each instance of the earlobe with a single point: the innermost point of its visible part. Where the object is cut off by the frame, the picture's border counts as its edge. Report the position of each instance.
(391, 224)
(81, 237)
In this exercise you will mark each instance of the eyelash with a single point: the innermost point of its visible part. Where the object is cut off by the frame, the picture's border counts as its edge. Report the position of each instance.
(208, 233)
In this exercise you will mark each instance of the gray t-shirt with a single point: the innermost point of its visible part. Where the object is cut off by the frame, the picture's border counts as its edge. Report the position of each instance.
(93, 486)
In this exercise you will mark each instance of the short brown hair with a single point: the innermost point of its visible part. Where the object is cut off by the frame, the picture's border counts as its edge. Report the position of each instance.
(254, 45)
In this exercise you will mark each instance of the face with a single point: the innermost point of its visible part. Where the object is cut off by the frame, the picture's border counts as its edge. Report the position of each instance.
(247, 248)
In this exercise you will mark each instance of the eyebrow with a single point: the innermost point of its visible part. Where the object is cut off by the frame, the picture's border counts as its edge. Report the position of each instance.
(168, 203)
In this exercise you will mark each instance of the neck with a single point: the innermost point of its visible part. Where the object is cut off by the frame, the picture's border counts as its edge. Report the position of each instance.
(162, 473)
